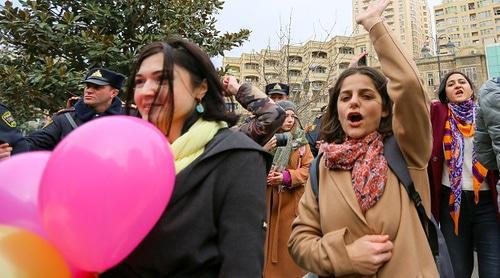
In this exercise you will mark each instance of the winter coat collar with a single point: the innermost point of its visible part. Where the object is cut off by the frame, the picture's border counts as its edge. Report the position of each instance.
(222, 145)
(86, 113)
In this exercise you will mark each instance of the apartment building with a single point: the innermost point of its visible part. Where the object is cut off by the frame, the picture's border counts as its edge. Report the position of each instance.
(409, 19)
(468, 22)
(309, 69)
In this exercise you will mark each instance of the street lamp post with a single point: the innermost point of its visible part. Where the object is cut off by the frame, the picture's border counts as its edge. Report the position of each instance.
(425, 51)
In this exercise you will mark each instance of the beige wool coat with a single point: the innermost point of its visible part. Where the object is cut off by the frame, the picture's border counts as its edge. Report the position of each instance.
(324, 228)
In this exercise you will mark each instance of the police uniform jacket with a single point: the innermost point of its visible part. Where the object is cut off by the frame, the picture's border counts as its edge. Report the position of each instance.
(49, 136)
(313, 135)
(9, 133)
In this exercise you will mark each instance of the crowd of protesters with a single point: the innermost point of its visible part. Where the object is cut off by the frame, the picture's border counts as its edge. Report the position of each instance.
(244, 204)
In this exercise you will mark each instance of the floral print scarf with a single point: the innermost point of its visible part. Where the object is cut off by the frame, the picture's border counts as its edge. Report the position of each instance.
(365, 157)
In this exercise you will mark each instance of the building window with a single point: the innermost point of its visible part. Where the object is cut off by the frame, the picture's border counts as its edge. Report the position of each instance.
(251, 66)
(251, 79)
(451, 10)
(346, 50)
(271, 63)
(271, 76)
(343, 65)
(294, 59)
(471, 73)
(444, 72)
(430, 79)
(317, 85)
(295, 87)
(318, 69)
(294, 73)
(319, 54)
(484, 14)
(233, 70)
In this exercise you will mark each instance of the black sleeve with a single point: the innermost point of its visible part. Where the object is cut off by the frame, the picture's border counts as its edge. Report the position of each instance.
(242, 215)
(47, 137)
(21, 146)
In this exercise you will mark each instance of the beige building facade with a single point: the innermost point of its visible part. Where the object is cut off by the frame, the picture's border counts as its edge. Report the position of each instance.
(467, 22)
(469, 60)
(310, 69)
(409, 19)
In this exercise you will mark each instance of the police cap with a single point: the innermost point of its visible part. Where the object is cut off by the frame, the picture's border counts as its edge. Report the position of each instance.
(277, 88)
(102, 76)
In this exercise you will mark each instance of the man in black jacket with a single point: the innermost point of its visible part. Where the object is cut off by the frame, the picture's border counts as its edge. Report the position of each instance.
(10, 137)
(99, 99)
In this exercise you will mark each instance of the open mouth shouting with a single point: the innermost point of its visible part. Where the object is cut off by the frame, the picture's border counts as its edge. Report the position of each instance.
(354, 119)
(459, 93)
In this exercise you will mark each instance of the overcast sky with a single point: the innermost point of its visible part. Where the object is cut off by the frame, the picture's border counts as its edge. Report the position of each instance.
(310, 19)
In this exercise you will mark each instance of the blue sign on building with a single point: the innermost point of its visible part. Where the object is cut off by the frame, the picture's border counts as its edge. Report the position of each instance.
(493, 60)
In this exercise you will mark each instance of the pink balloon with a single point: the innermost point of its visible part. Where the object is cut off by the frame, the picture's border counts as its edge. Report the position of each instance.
(19, 183)
(103, 189)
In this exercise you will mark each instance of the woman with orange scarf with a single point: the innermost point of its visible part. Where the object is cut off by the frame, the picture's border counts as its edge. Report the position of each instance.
(463, 191)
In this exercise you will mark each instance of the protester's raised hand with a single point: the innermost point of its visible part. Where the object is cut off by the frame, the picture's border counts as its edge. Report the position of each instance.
(372, 14)
(355, 60)
(231, 85)
(5, 150)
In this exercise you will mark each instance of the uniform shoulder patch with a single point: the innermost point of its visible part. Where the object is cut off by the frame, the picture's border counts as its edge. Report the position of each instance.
(9, 119)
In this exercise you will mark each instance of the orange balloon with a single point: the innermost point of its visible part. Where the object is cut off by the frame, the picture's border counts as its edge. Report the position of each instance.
(27, 255)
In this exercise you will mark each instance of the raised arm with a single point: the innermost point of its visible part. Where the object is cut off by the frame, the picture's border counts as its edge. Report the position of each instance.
(267, 116)
(411, 121)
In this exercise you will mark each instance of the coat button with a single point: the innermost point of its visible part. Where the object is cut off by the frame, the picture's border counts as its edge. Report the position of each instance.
(434, 158)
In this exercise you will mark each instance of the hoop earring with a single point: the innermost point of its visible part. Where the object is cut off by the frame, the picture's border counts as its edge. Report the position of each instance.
(199, 107)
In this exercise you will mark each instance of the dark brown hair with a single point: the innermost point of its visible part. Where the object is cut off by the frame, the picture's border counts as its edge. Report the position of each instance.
(190, 57)
(331, 130)
(442, 86)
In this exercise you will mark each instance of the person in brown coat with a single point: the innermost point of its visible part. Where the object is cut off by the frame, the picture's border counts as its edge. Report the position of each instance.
(285, 186)
(364, 223)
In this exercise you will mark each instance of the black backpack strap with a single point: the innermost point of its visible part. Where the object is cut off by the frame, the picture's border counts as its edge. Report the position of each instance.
(398, 165)
(314, 175)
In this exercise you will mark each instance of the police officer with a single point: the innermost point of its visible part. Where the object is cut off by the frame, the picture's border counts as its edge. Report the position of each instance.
(10, 137)
(278, 91)
(99, 99)
(312, 134)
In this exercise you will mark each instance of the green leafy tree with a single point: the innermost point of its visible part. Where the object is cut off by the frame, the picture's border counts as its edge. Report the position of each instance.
(46, 46)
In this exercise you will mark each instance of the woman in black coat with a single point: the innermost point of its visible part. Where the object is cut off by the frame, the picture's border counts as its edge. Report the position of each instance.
(214, 223)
